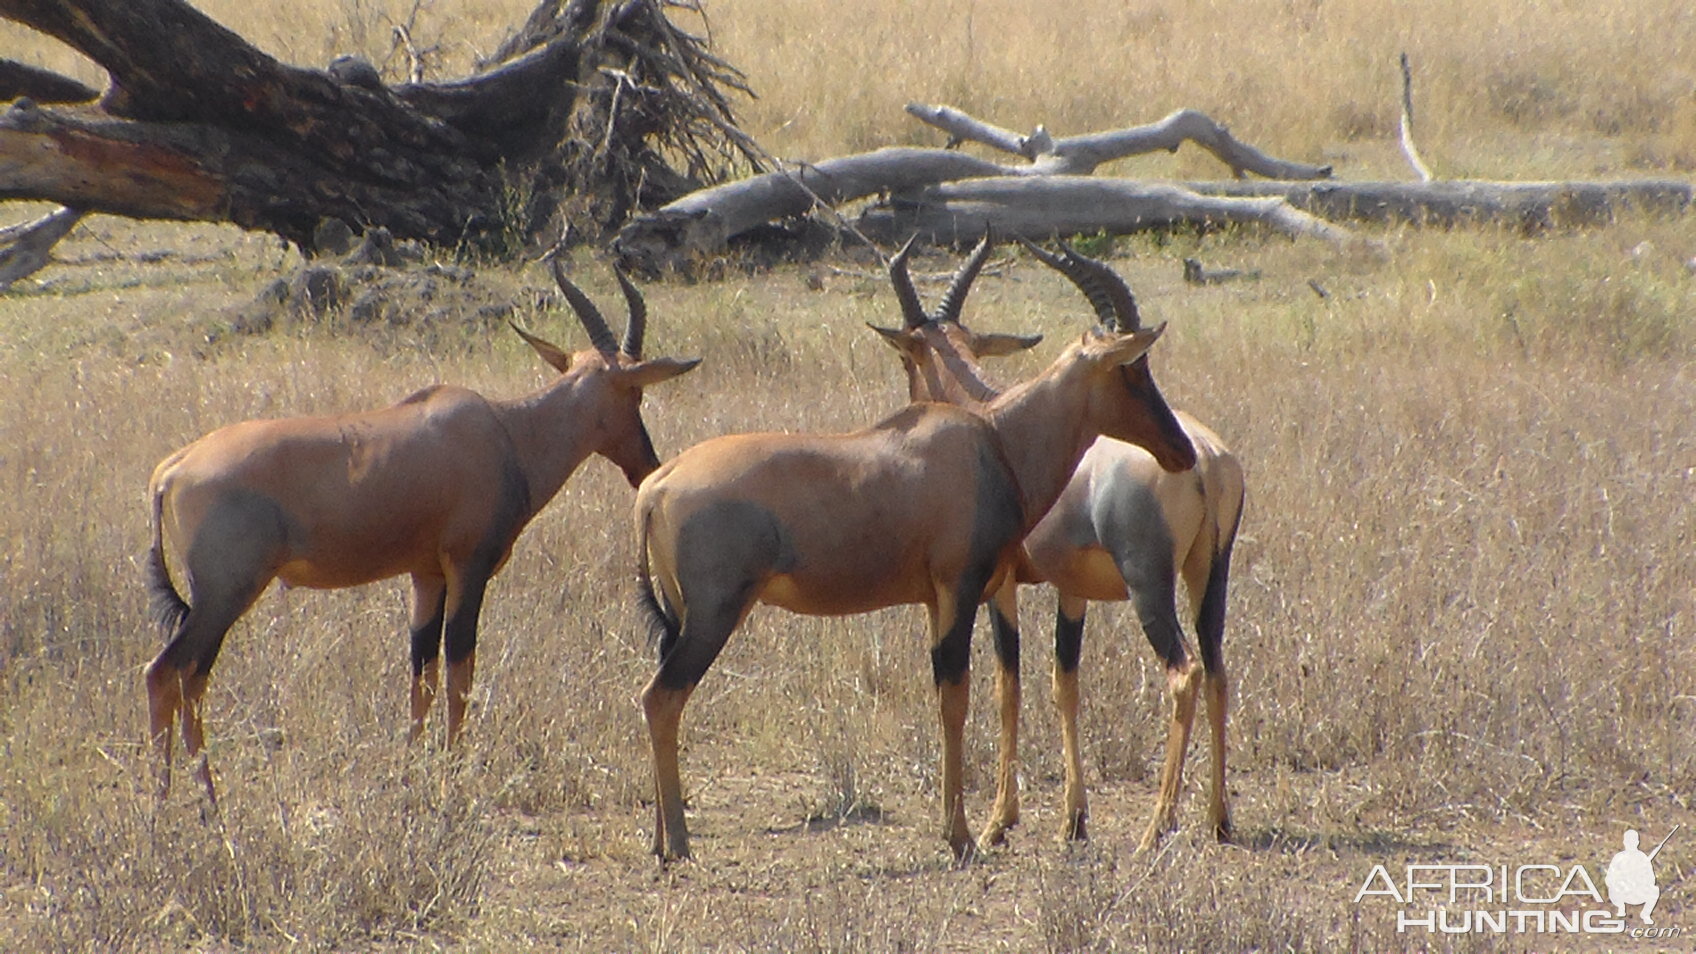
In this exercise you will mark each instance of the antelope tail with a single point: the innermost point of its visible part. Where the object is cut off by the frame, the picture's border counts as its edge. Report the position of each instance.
(663, 625)
(168, 606)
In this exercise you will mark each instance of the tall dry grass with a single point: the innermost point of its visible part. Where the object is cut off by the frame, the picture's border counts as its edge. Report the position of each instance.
(1461, 602)
(1461, 624)
(1503, 90)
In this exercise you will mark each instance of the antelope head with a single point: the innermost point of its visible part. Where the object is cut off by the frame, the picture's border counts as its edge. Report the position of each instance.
(608, 379)
(938, 351)
(1129, 398)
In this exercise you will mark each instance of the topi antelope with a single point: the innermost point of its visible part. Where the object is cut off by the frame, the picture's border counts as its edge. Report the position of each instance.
(926, 507)
(437, 486)
(1123, 528)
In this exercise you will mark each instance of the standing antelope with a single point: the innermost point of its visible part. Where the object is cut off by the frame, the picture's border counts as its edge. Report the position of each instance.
(1123, 528)
(437, 486)
(926, 507)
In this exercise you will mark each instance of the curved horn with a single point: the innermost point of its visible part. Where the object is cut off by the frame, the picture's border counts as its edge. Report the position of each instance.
(912, 310)
(1107, 292)
(599, 334)
(949, 310)
(638, 323)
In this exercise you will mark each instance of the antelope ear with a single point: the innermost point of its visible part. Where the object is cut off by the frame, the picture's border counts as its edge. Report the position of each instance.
(1136, 344)
(1114, 349)
(655, 370)
(995, 346)
(560, 360)
(898, 338)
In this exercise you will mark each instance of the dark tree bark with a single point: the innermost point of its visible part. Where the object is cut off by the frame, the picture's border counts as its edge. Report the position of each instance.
(19, 80)
(198, 124)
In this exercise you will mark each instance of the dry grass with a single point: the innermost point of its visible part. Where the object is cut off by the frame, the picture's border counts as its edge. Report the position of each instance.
(1461, 625)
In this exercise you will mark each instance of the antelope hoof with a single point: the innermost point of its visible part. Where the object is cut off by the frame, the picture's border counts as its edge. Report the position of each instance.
(1222, 831)
(995, 833)
(1076, 829)
(965, 851)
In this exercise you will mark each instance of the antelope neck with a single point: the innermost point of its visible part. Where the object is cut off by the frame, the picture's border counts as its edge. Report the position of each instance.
(549, 436)
(1042, 428)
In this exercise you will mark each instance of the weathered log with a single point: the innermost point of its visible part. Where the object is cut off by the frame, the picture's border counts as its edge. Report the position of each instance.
(1043, 206)
(951, 197)
(703, 223)
(198, 124)
(1527, 205)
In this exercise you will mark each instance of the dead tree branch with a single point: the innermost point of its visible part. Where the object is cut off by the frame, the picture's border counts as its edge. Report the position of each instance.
(1080, 155)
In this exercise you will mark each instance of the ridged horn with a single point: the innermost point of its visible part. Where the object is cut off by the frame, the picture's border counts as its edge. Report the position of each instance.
(912, 310)
(1107, 292)
(952, 302)
(600, 336)
(638, 324)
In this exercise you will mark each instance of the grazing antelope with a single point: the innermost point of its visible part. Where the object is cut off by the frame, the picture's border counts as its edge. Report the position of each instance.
(1123, 528)
(437, 486)
(926, 507)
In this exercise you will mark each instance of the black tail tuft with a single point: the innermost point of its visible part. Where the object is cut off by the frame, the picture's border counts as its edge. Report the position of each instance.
(169, 609)
(663, 626)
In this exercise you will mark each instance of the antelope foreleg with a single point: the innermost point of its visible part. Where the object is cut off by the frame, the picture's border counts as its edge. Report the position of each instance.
(952, 699)
(1068, 651)
(429, 597)
(425, 684)
(459, 636)
(1004, 623)
(1182, 684)
(460, 674)
(951, 654)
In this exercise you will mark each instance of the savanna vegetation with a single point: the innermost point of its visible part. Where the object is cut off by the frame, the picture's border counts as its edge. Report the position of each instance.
(1462, 628)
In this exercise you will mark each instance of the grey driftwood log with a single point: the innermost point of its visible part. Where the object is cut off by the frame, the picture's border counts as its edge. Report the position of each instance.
(948, 197)
(913, 179)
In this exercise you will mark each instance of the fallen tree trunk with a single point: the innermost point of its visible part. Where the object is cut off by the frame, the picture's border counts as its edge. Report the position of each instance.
(1041, 207)
(198, 124)
(946, 196)
(703, 223)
